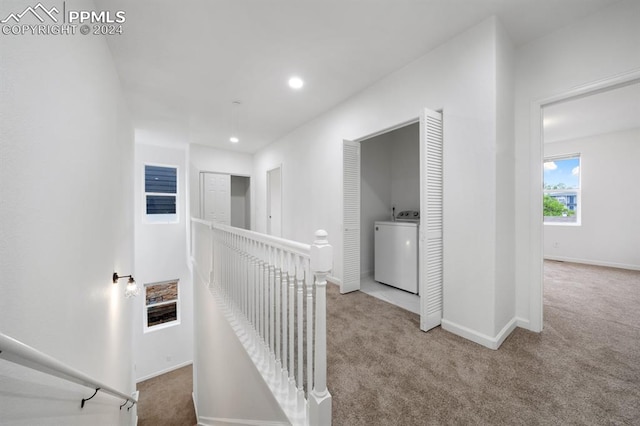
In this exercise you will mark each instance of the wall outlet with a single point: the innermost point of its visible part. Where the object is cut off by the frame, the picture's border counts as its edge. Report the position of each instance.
(168, 358)
(556, 244)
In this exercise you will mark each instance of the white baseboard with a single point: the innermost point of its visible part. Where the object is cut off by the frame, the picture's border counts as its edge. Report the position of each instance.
(136, 395)
(334, 280)
(217, 421)
(594, 262)
(480, 338)
(195, 406)
(165, 371)
(523, 323)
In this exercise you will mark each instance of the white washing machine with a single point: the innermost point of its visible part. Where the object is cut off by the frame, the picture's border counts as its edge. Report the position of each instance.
(396, 254)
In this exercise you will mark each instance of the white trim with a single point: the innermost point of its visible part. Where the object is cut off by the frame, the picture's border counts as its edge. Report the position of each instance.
(165, 371)
(594, 262)
(523, 323)
(577, 191)
(219, 421)
(406, 123)
(145, 307)
(479, 338)
(195, 406)
(136, 395)
(334, 280)
(536, 150)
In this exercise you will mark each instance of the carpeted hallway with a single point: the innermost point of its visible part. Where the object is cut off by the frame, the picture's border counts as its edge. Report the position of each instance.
(584, 368)
(166, 400)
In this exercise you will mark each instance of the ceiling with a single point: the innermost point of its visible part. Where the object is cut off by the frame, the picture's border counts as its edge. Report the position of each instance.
(183, 64)
(604, 112)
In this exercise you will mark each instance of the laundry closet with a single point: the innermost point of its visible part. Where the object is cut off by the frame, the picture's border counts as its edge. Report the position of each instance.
(390, 208)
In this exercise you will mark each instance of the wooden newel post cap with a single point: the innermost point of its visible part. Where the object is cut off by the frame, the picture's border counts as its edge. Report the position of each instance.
(321, 253)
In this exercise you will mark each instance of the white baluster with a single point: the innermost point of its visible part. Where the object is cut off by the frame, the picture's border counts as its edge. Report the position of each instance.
(300, 334)
(292, 316)
(277, 286)
(309, 293)
(265, 295)
(211, 259)
(252, 284)
(272, 306)
(245, 272)
(321, 265)
(284, 289)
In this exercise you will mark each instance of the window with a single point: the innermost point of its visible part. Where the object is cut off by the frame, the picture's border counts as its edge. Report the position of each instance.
(161, 192)
(562, 201)
(161, 304)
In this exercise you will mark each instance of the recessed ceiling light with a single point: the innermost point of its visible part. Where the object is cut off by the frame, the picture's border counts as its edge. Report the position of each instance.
(296, 82)
(233, 139)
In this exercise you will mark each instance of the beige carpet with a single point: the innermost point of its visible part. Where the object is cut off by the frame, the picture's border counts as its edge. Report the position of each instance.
(166, 400)
(584, 368)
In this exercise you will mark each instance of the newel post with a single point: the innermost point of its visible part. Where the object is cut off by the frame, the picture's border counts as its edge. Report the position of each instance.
(321, 265)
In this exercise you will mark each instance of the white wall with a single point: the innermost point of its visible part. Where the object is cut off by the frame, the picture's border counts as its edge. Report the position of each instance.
(608, 234)
(161, 255)
(390, 176)
(598, 47)
(505, 185)
(66, 209)
(375, 195)
(227, 386)
(405, 168)
(460, 77)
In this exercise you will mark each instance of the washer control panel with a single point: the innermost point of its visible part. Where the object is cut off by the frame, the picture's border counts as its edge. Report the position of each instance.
(408, 216)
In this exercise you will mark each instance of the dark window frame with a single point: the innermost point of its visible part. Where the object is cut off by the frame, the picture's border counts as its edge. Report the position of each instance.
(160, 193)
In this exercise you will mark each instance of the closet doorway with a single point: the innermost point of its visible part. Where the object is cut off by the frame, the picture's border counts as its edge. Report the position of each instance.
(430, 235)
(225, 199)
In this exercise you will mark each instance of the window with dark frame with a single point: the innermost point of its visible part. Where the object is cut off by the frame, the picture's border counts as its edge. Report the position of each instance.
(161, 190)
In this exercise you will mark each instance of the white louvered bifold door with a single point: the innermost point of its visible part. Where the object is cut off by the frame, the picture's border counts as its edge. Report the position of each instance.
(351, 217)
(431, 250)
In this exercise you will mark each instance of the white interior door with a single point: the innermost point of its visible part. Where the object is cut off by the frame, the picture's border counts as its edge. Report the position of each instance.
(274, 202)
(431, 231)
(351, 217)
(216, 198)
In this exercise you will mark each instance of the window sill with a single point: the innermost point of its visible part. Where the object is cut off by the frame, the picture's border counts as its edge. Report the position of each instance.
(562, 224)
(161, 326)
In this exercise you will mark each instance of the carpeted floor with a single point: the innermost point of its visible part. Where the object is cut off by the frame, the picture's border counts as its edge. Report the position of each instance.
(584, 368)
(166, 400)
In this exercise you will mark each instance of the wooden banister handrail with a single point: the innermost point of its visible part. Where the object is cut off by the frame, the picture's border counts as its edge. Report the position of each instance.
(17, 352)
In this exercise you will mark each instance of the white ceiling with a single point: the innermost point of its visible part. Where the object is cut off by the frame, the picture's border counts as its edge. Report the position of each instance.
(182, 64)
(597, 114)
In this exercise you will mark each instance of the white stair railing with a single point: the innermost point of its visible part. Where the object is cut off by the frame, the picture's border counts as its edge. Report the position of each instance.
(13, 350)
(273, 292)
